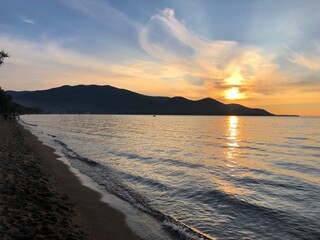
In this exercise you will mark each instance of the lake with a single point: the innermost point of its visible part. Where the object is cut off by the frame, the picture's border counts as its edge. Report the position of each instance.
(226, 177)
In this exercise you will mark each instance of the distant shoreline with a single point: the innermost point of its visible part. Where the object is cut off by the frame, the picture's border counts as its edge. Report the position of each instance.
(143, 114)
(286, 115)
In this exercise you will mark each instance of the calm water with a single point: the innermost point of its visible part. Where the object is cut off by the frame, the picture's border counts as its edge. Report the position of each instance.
(227, 177)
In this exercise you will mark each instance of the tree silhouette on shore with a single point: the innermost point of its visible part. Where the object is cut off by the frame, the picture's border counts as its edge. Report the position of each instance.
(5, 100)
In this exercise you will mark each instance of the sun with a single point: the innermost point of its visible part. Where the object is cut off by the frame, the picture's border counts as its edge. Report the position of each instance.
(233, 93)
(235, 79)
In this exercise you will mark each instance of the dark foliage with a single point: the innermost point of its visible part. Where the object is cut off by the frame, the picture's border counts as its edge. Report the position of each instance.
(6, 104)
(3, 55)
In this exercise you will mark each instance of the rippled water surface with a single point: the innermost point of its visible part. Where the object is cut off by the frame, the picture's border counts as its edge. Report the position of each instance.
(227, 177)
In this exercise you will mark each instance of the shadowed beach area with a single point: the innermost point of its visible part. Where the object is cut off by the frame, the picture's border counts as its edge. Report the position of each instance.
(41, 199)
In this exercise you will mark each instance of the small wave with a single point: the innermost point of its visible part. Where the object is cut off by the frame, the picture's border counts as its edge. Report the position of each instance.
(28, 124)
(73, 155)
(146, 181)
(184, 231)
(166, 160)
(298, 138)
(302, 168)
(246, 148)
(130, 155)
(273, 183)
(310, 147)
(107, 177)
(252, 148)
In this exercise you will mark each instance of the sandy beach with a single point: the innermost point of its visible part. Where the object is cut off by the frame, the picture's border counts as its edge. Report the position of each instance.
(41, 199)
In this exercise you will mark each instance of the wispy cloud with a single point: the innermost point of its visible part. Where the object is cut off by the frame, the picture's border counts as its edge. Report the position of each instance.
(310, 61)
(108, 32)
(26, 20)
(102, 11)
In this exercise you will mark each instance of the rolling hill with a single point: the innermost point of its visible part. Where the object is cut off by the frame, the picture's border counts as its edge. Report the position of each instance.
(110, 100)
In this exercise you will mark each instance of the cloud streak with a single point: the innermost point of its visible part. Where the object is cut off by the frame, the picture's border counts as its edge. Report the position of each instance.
(28, 21)
(103, 12)
(307, 60)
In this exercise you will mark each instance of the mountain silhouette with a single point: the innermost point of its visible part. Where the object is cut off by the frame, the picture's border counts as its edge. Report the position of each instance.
(110, 100)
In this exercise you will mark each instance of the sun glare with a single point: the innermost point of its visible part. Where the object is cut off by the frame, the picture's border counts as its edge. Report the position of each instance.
(235, 79)
(233, 93)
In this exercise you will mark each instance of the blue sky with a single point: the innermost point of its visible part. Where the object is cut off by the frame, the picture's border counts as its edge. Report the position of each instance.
(257, 53)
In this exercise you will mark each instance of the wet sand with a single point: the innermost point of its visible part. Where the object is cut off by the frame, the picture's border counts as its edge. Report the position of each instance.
(41, 199)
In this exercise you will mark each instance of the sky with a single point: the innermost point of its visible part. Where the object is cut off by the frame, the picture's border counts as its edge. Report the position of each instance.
(257, 53)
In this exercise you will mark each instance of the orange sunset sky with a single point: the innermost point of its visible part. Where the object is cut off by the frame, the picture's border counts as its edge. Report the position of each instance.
(263, 54)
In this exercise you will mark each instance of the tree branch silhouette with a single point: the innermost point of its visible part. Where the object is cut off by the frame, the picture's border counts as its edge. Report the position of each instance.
(3, 55)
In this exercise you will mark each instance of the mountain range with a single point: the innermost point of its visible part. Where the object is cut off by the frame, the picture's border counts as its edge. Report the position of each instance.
(96, 99)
